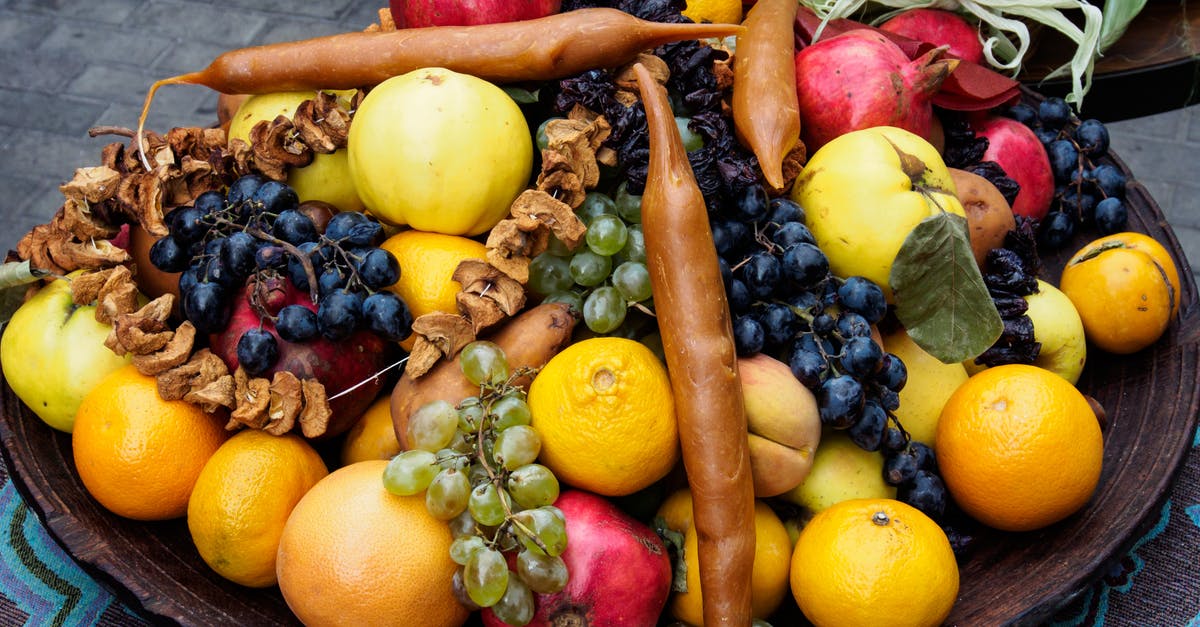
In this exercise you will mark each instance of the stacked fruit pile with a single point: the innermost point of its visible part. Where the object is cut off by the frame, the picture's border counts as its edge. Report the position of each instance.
(607, 402)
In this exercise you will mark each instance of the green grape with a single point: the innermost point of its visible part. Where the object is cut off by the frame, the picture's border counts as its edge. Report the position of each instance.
(462, 525)
(516, 606)
(604, 309)
(448, 494)
(486, 576)
(483, 362)
(452, 458)
(477, 474)
(594, 204)
(548, 526)
(461, 549)
(691, 140)
(589, 269)
(487, 504)
(542, 573)
(533, 485)
(459, 443)
(542, 141)
(410, 472)
(460, 591)
(471, 413)
(632, 280)
(510, 411)
(556, 247)
(549, 274)
(566, 296)
(432, 426)
(635, 245)
(629, 207)
(606, 235)
(517, 446)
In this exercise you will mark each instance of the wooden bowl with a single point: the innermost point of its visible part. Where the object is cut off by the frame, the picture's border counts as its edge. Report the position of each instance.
(1151, 398)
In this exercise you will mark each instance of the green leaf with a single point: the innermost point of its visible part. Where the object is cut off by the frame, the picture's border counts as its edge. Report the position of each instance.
(940, 296)
(674, 541)
(1117, 16)
(521, 95)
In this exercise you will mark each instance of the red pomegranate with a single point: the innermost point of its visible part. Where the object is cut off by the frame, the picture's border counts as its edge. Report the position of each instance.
(337, 365)
(860, 79)
(619, 569)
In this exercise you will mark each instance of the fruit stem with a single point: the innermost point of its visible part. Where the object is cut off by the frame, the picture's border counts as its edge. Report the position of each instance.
(309, 272)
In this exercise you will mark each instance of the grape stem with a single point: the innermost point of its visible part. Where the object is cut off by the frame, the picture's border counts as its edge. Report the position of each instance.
(306, 263)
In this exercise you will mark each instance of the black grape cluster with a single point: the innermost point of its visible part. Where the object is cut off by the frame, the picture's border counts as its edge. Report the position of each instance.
(1010, 273)
(786, 303)
(258, 229)
(1087, 193)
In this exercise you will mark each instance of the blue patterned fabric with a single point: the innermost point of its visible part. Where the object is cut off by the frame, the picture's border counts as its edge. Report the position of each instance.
(42, 585)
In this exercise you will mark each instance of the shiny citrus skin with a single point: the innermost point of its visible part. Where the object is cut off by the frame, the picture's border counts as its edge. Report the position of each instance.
(427, 261)
(1150, 246)
(373, 436)
(769, 581)
(715, 11)
(605, 411)
(1019, 447)
(139, 455)
(874, 562)
(1124, 295)
(242, 499)
(352, 553)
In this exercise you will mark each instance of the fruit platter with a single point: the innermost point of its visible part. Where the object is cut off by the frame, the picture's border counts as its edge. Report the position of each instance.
(556, 313)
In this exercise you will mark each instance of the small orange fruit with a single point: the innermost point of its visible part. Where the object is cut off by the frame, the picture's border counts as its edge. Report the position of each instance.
(352, 553)
(769, 580)
(427, 262)
(137, 454)
(1125, 288)
(1019, 447)
(605, 411)
(373, 436)
(874, 562)
(242, 500)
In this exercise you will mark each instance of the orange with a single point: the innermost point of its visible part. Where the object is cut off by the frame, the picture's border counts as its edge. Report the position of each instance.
(1019, 447)
(676, 510)
(874, 562)
(715, 11)
(605, 411)
(242, 499)
(427, 261)
(139, 455)
(373, 436)
(769, 580)
(352, 553)
(1125, 288)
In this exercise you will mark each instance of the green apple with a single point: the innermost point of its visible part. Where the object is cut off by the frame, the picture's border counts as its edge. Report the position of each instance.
(1059, 329)
(327, 177)
(841, 471)
(53, 354)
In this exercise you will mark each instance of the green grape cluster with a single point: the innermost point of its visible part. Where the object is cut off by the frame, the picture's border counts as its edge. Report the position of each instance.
(606, 277)
(476, 464)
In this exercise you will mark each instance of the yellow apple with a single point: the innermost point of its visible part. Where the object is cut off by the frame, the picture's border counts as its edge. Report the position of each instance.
(841, 471)
(930, 383)
(53, 354)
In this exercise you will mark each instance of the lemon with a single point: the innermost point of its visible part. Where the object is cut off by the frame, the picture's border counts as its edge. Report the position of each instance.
(715, 11)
